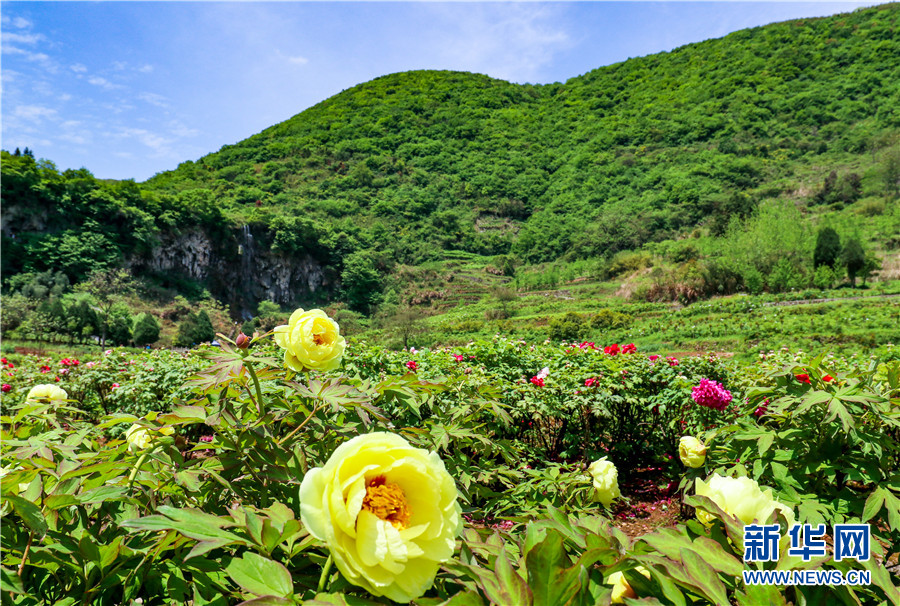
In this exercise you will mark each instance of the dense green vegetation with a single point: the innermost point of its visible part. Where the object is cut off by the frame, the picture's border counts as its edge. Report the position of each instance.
(792, 122)
(204, 499)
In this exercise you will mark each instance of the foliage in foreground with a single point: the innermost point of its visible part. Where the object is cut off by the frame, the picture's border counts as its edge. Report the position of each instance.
(204, 505)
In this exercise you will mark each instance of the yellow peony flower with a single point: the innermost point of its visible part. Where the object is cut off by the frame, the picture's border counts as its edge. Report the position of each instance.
(311, 341)
(386, 510)
(606, 481)
(740, 497)
(139, 437)
(692, 451)
(47, 393)
(621, 588)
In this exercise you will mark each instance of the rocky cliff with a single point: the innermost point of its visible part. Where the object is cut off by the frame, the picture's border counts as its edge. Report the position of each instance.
(240, 270)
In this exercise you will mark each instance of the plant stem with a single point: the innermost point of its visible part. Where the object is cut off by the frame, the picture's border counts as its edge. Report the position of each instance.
(135, 470)
(28, 548)
(259, 398)
(299, 427)
(323, 578)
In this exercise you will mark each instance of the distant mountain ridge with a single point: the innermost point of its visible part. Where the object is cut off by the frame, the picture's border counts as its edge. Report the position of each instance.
(407, 165)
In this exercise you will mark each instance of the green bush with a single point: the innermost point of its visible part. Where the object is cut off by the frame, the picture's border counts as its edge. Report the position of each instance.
(146, 330)
(571, 327)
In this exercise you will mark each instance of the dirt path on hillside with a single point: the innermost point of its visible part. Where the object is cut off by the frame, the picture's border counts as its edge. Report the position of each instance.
(811, 301)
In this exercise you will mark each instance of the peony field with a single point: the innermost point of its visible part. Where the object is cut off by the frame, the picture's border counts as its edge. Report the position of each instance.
(300, 467)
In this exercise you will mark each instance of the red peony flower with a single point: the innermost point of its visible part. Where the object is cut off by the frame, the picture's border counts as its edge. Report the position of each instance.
(630, 348)
(6, 387)
(458, 357)
(587, 344)
(537, 381)
(2, 360)
(590, 382)
(653, 358)
(803, 378)
(828, 378)
(611, 349)
(412, 365)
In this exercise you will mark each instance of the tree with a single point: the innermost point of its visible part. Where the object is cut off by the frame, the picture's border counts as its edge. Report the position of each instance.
(828, 248)
(406, 322)
(146, 330)
(360, 282)
(204, 331)
(107, 287)
(871, 265)
(853, 257)
(505, 296)
(119, 324)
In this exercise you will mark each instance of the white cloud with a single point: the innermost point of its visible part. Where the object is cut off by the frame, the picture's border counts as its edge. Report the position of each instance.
(180, 130)
(21, 22)
(154, 141)
(23, 38)
(146, 68)
(34, 112)
(103, 83)
(78, 68)
(503, 40)
(154, 99)
(298, 60)
(65, 97)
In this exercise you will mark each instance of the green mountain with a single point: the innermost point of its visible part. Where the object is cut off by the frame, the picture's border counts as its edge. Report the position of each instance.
(410, 165)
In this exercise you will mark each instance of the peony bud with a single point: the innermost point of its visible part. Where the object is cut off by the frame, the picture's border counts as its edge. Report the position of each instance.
(242, 341)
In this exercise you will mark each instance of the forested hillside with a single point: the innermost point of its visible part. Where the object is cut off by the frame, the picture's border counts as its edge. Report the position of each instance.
(802, 114)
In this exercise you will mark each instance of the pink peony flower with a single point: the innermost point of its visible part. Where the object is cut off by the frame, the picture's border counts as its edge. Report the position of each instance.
(412, 366)
(114, 385)
(711, 394)
(672, 361)
(653, 358)
(458, 357)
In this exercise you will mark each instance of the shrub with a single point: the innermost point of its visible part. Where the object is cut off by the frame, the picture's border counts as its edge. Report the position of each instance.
(146, 330)
(571, 327)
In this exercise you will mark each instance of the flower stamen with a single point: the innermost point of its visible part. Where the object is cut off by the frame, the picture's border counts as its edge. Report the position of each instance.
(387, 502)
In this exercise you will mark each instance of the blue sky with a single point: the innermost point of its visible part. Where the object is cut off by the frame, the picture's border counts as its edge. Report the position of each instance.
(129, 89)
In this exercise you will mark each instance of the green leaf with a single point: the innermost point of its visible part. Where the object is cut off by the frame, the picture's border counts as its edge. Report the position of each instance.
(551, 577)
(704, 577)
(513, 586)
(10, 581)
(30, 514)
(261, 576)
(873, 504)
(765, 441)
(669, 542)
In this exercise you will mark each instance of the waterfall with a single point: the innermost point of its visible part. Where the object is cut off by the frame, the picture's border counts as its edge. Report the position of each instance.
(247, 251)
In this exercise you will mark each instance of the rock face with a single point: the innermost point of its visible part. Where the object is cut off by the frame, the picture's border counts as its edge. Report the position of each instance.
(238, 268)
